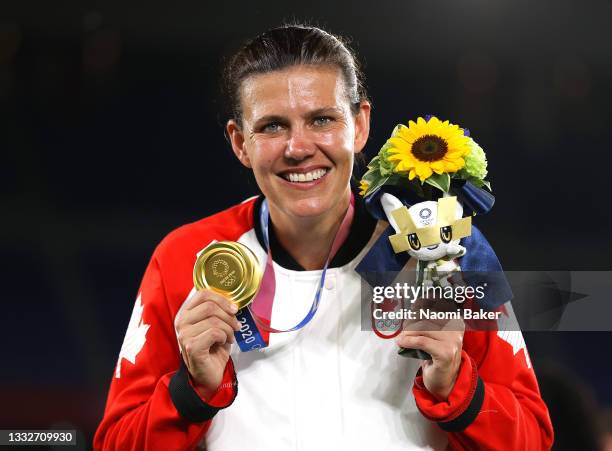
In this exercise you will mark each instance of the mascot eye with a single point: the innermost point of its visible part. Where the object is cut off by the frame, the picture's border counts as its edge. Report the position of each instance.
(414, 242)
(446, 234)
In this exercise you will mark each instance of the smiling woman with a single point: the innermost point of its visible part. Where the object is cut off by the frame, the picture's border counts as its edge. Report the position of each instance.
(300, 113)
(299, 117)
(299, 134)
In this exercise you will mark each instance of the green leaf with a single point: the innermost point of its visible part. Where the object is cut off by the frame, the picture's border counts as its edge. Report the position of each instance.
(397, 129)
(386, 169)
(476, 182)
(376, 184)
(462, 174)
(374, 162)
(386, 146)
(398, 179)
(440, 181)
(371, 175)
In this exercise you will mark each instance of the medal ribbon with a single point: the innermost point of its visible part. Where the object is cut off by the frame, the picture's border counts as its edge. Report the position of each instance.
(257, 319)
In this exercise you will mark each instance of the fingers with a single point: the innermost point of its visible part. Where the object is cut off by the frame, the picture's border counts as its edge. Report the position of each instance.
(207, 310)
(202, 296)
(442, 345)
(205, 340)
(202, 326)
(421, 342)
(204, 304)
(207, 317)
(196, 347)
(441, 350)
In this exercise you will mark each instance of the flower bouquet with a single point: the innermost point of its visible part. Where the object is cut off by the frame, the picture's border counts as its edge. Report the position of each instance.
(441, 168)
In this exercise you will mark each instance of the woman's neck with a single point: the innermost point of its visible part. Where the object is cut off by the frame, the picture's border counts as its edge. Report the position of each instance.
(309, 240)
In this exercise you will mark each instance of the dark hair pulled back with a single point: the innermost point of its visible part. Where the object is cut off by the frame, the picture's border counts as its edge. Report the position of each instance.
(291, 45)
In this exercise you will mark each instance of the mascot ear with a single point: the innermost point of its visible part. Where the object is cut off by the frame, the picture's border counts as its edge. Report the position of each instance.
(389, 204)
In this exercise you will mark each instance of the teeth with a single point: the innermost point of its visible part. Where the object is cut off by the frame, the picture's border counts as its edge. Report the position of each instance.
(307, 177)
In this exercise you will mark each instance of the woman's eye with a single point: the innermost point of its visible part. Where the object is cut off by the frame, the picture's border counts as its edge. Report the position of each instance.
(272, 127)
(322, 120)
(414, 242)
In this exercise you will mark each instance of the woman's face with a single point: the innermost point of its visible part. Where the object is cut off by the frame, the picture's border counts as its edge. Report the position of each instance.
(299, 136)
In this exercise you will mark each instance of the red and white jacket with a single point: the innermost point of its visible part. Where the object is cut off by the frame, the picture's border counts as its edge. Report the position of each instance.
(330, 385)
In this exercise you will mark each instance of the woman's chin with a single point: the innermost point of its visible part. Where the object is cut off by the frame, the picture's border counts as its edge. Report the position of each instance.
(305, 208)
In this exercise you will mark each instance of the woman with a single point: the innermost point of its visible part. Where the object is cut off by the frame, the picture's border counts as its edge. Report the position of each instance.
(299, 116)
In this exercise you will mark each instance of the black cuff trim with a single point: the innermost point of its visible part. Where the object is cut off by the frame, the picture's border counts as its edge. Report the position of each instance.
(187, 401)
(470, 414)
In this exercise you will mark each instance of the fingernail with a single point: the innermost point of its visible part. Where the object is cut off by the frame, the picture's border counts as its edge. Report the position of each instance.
(234, 308)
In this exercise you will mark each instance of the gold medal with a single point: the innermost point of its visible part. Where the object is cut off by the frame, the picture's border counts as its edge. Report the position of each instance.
(229, 268)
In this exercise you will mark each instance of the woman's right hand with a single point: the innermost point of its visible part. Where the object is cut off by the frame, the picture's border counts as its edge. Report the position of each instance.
(205, 332)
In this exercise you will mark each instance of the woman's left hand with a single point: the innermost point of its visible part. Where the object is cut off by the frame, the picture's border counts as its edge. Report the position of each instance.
(444, 346)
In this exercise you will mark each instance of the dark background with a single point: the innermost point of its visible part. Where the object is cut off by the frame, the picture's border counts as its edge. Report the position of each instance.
(111, 135)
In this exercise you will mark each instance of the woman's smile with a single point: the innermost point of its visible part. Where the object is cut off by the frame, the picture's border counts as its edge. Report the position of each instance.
(305, 178)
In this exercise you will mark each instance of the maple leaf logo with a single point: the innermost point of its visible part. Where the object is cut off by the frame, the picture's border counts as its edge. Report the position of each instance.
(515, 339)
(135, 337)
(508, 331)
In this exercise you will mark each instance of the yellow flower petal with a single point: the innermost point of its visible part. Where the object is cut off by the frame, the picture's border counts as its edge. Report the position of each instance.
(423, 171)
(398, 142)
(434, 121)
(400, 157)
(454, 165)
(401, 166)
(363, 187)
(404, 165)
(453, 155)
(437, 166)
(408, 135)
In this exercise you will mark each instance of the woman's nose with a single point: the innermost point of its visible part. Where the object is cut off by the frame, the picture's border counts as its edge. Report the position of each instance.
(299, 146)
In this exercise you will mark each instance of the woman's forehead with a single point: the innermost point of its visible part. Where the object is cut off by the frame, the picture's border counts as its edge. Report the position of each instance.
(296, 89)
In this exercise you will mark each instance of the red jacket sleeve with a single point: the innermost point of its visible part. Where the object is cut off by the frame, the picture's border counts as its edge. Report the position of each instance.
(495, 402)
(152, 403)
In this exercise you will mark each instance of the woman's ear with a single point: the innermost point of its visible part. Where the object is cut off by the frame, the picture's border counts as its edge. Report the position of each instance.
(236, 137)
(362, 126)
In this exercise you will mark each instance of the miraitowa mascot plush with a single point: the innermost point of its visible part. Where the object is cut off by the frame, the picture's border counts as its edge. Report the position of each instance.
(429, 231)
(427, 182)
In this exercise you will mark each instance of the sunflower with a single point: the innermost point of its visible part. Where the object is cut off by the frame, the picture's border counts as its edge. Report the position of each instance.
(426, 147)
(363, 187)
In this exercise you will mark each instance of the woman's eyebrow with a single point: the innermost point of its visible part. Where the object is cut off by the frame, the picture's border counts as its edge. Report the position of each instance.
(269, 118)
(309, 115)
(323, 111)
